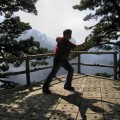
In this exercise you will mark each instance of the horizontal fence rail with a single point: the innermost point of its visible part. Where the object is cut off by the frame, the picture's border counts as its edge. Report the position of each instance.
(97, 65)
(79, 53)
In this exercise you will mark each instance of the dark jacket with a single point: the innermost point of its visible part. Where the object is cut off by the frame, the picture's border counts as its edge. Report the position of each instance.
(63, 47)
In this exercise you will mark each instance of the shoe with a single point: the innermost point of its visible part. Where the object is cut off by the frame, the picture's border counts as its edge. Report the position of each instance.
(46, 91)
(69, 88)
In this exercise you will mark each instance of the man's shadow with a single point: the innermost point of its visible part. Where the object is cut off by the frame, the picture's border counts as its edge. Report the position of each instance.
(82, 103)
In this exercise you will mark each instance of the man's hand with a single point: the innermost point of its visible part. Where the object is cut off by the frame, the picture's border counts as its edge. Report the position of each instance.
(81, 46)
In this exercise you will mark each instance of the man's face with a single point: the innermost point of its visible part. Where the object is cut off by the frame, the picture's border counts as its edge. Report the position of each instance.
(68, 36)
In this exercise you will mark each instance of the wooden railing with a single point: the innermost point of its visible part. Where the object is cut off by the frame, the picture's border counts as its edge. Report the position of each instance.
(29, 57)
(114, 66)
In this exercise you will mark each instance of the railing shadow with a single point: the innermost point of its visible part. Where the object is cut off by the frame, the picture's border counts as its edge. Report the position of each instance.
(26, 104)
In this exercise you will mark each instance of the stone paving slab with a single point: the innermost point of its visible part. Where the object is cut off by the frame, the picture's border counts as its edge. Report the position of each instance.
(92, 89)
(109, 90)
(38, 114)
(112, 100)
(91, 105)
(110, 95)
(67, 107)
(94, 98)
(92, 94)
(94, 116)
(111, 117)
(110, 108)
(58, 115)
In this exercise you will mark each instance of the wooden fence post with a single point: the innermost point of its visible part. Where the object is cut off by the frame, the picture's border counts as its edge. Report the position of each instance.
(115, 65)
(119, 66)
(79, 71)
(28, 71)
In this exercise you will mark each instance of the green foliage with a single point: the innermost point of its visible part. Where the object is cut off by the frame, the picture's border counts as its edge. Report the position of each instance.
(4, 67)
(12, 27)
(106, 47)
(103, 74)
(17, 63)
(37, 63)
(107, 12)
(10, 6)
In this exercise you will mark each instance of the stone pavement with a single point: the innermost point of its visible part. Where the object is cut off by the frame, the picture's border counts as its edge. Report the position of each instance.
(94, 98)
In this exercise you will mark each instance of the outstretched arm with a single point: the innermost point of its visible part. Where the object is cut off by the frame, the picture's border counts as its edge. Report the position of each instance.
(81, 46)
(78, 46)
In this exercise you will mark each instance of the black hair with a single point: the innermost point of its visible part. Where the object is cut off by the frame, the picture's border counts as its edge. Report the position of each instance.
(67, 31)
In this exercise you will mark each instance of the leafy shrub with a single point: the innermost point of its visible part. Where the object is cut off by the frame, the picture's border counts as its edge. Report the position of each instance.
(103, 74)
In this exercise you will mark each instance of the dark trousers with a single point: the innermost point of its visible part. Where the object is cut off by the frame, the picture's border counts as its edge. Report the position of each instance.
(58, 63)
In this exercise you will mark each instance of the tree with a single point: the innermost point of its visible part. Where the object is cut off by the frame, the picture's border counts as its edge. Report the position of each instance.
(10, 6)
(11, 28)
(107, 12)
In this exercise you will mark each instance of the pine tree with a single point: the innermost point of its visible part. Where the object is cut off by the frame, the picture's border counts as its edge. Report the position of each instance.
(12, 27)
(107, 13)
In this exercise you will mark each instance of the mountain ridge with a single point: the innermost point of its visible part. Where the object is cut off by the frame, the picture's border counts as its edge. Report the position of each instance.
(45, 42)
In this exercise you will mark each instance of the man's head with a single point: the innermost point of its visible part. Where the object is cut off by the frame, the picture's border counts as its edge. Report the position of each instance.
(67, 34)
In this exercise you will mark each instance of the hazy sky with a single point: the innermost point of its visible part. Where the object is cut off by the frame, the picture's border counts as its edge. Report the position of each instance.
(56, 15)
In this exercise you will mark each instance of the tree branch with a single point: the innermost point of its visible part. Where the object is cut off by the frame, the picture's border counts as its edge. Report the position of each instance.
(117, 9)
(108, 43)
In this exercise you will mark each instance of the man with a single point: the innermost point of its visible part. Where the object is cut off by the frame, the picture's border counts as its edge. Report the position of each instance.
(62, 52)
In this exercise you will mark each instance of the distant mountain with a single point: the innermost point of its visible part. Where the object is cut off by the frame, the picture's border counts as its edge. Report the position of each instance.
(73, 40)
(45, 42)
